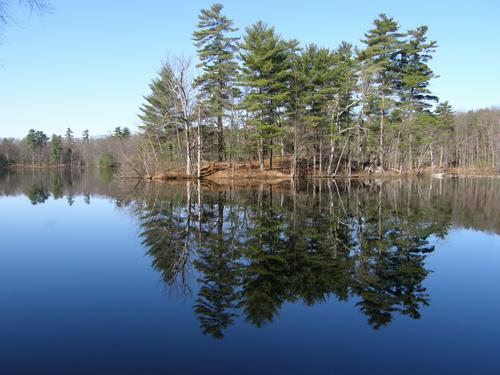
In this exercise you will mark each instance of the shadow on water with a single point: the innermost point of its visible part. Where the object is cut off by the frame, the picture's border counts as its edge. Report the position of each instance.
(250, 250)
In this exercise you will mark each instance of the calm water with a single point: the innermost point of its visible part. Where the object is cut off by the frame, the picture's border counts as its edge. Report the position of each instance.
(99, 276)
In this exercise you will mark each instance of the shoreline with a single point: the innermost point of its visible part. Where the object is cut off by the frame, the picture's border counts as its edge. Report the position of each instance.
(244, 174)
(276, 175)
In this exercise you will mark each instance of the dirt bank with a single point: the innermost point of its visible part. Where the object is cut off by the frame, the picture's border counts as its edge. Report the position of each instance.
(248, 172)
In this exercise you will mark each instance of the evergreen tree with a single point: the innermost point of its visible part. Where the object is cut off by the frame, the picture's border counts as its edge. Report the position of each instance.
(117, 132)
(412, 85)
(36, 141)
(69, 136)
(346, 69)
(319, 75)
(86, 136)
(445, 122)
(383, 44)
(445, 115)
(346, 79)
(158, 115)
(125, 133)
(266, 71)
(216, 51)
(32, 146)
(121, 133)
(31, 140)
(415, 72)
(56, 148)
(295, 107)
(69, 145)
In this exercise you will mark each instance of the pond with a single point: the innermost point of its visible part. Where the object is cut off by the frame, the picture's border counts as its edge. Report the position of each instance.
(100, 275)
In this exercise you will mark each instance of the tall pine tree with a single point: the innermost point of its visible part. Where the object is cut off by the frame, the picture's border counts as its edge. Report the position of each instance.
(413, 83)
(266, 71)
(216, 51)
(415, 72)
(383, 44)
(158, 115)
(318, 71)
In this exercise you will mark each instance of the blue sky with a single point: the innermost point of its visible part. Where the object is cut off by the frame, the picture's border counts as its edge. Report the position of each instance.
(88, 64)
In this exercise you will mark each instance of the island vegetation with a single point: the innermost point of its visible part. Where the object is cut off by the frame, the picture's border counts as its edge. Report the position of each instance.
(260, 105)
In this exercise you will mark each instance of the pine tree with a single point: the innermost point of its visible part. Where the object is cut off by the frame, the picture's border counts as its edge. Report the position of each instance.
(266, 71)
(36, 141)
(346, 69)
(158, 115)
(216, 51)
(125, 134)
(346, 79)
(85, 136)
(69, 145)
(31, 141)
(415, 72)
(85, 146)
(317, 69)
(56, 148)
(295, 107)
(69, 136)
(413, 76)
(379, 58)
(445, 122)
(445, 115)
(121, 133)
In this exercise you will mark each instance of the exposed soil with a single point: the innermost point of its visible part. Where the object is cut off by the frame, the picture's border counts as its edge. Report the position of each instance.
(249, 172)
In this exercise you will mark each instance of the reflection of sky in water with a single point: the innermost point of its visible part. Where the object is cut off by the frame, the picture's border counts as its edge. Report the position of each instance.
(79, 295)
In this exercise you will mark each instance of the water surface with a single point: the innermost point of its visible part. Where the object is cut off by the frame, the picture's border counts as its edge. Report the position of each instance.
(99, 275)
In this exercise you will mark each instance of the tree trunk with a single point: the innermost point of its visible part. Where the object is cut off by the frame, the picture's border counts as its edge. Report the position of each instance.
(220, 138)
(260, 153)
(398, 139)
(188, 152)
(198, 146)
(432, 157)
(410, 156)
(441, 158)
(179, 147)
(381, 136)
(294, 160)
(320, 155)
(314, 162)
(271, 154)
(349, 167)
(332, 151)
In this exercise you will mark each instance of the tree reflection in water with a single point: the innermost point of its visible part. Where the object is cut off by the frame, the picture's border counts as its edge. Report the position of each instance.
(249, 250)
(255, 249)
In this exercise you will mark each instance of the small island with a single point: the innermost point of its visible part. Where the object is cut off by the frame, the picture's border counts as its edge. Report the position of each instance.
(258, 106)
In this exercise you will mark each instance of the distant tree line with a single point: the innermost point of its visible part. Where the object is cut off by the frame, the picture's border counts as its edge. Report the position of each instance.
(37, 149)
(476, 139)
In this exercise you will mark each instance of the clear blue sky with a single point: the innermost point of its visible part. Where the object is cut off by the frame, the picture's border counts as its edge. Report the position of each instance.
(88, 64)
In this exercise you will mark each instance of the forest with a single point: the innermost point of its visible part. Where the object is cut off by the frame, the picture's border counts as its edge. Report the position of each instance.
(259, 102)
